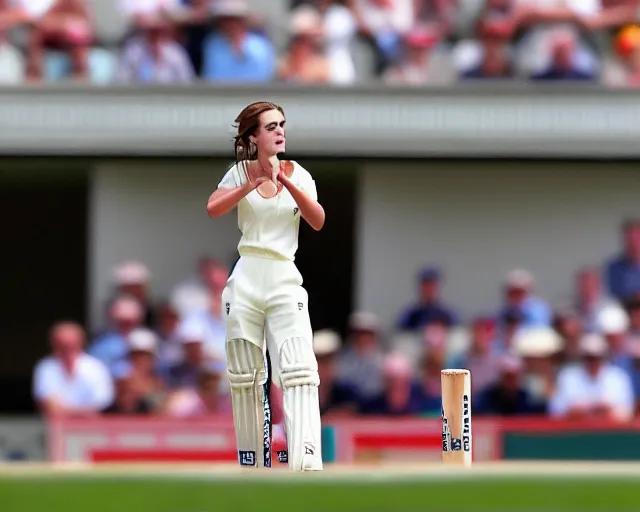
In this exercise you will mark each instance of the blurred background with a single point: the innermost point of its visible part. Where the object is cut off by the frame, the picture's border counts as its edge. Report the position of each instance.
(476, 159)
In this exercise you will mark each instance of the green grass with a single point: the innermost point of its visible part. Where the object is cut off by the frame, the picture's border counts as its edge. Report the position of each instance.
(70, 493)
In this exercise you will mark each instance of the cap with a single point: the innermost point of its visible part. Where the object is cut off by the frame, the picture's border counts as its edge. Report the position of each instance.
(519, 278)
(593, 345)
(430, 274)
(230, 8)
(325, 342)
(364, 321)
(143, 340)
(131, 272)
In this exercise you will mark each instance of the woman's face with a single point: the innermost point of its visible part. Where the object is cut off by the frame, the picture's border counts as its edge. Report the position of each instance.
(270, 137)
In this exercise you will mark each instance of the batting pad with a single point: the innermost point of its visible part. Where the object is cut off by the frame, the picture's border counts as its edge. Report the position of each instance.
(248, 380)
(300, 380)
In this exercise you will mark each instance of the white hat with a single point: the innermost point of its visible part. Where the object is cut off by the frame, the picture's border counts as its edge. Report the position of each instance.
(612, 319)
(191, 332)
(325, 342)
(593, 345)
(519, 278)
(536, 342)
(131, 272)
(142, 339)
(230, 8)
(364, 321)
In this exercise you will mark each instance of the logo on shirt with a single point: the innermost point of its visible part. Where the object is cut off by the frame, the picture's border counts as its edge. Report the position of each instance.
(227, 307)
(300, 305)
(295, 211)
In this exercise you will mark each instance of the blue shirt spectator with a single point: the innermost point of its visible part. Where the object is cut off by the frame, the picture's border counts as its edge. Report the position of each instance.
(623, 272)
(535, 311)
(254, 61)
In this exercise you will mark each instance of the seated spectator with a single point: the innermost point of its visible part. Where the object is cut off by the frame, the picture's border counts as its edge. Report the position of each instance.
(194, 293)
(185, 373)
(519, 297)
(564, 63)
(132, 278)
(613, 324)
(140, 368)
(590, 296)
(335, 398)
(12, 65)
(593, 388)
(337, 30)
(632, 308)
(432, 366)
(153, 57)
(233, 53)
(511, 323)
(70, 382)
(494, 59)
(304, 61)
(623, 271)
(507, 396)
(385, 22)
(205, 398)
(422, 61)
(482, 357)
(61, 26)
(540, 349)
(430, 307)
(568, 325)
(127, 400)
(359, 365)
(112, 347)
(401, 395)
(169, 346)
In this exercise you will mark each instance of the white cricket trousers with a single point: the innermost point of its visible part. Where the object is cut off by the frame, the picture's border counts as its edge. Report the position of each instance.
(264, 298)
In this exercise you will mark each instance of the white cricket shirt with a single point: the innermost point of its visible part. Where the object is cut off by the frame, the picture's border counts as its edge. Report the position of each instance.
(270, 224)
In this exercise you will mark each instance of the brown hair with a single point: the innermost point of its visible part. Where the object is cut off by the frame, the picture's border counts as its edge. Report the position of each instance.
(248, 122)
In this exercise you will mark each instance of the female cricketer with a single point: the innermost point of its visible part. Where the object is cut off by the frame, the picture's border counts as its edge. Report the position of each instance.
(264, 297)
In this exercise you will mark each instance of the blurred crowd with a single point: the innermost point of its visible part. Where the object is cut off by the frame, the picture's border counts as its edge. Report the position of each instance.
(339, 42)
(574, 360)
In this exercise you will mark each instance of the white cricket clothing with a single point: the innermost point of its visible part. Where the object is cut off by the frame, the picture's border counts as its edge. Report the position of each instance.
(576, 387)
(89, 387)
(272, 224)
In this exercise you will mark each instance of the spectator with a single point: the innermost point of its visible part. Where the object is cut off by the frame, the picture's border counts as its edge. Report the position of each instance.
(70, 382)
(432, 366)
(193, 294)
(141, 369)
(507, 396)
(385, 22)
(591, 298)
(335, 398)
(169, 346)
(152, 57)
(127, 400)
(204, 399)
(564, 63)
(338, 31)
(613, 324)
(494, 55)
(233, 53)
(519, 297)
(401, 395)
(568, 325)
(12, 65)
(511, 324)
(185, 373)
(482, 358)
(131, 278)
(112, 347)
(633, 311)
(593, 388)
(430, 307)
(422, 61)
(360, 364)
(304, 61)
(623, 271)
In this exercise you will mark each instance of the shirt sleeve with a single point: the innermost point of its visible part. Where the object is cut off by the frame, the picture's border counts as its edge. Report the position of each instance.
(307, 184)
(559, 402)
(103, 392)
(41, 382)
(230, 179)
